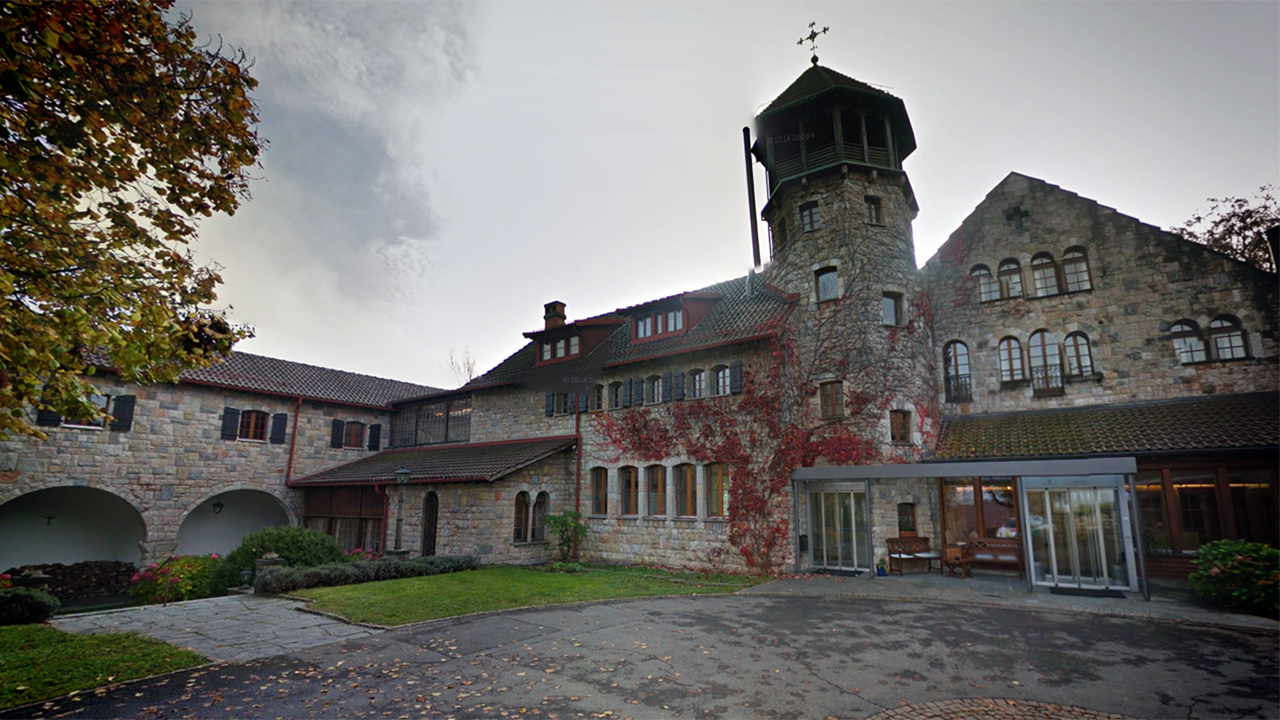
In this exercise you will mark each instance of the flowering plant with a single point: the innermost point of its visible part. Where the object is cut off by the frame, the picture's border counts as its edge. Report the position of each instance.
(6, 581)
(360, 554)
(187, 577)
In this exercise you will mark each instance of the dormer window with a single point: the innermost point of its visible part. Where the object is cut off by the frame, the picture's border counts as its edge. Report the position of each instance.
(560, 348)
(575, 345)
(546, 351)
(565, 347)
(675, 320)
(659, 323)
(644, 327)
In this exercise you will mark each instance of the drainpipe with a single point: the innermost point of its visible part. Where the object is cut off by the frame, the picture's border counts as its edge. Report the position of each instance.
(293, 442)
(577, 485)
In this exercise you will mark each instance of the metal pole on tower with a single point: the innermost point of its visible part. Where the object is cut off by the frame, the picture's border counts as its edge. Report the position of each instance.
(751, 196)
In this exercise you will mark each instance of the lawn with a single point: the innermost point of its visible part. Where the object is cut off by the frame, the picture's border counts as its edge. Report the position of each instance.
(396, 602)
(38, 662)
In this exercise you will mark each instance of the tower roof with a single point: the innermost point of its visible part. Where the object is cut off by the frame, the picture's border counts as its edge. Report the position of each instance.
(815, 81)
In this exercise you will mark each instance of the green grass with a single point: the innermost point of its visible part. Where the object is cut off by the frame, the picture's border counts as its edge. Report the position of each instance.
(396, 602)
(38, 662)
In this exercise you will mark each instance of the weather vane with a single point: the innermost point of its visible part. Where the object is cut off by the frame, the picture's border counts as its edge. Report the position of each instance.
(812, 37)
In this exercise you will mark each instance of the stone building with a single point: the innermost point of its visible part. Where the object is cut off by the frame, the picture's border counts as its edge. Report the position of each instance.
(1067, 389)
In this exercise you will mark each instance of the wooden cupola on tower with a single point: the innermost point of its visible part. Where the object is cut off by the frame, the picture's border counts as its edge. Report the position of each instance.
(827, 122)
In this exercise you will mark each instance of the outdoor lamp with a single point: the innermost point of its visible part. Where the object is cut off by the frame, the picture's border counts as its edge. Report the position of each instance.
(402, 476)
(217, 507)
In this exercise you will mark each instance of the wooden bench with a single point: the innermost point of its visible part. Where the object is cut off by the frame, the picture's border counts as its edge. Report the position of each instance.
(995, 551)
(917, 548)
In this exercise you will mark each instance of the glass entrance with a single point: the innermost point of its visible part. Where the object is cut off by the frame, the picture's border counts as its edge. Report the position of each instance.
(1076, 537)
(838, 528)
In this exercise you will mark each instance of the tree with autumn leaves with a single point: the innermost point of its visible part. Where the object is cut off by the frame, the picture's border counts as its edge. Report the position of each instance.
(119, 129)
(1238, 227)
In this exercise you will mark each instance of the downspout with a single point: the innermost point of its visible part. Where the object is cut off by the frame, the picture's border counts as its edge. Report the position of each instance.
(577, 485)
(293, 442)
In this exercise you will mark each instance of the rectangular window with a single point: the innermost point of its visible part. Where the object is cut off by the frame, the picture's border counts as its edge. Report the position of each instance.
(675, 320)
(657, 324)
(600, 491)
(627, 485)
(717, 490)
(560, 348)
(900, 427)
(686, 491)
(891, 309)
(459, 420)
(353, 435)
(98, 401)
(1197, 496)
(615, 396)
(402, 427)
(827, 281)
(697, 384)
(432, 422)
(253, 425)
(653, 390)
(564, 403)
(644, 327)
(575, 345)
(656, 484)
(809, 219)
(597, 397)
(720, 376)
(546, 351)
(873, 211)
(831, 399)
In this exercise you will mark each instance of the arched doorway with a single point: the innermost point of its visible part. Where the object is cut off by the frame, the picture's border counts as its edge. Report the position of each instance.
(430, 521)
(217, 524)
(68, 525)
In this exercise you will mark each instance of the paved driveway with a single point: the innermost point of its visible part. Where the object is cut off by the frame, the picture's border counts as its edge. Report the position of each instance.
(738, 656)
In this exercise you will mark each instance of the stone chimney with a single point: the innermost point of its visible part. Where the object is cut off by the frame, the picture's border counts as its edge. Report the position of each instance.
(554, 314)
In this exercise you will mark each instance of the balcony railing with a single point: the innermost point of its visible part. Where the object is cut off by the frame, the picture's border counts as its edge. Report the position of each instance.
(1046, 381)
(959, 388)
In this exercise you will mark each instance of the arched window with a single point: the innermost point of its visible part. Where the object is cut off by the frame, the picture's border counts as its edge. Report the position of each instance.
(353, 435)
(1044, 272)
(955, 359)
(597, 398)
(826, 284)
(1010, 278)
(1228, 339)
(615, 395)
(1187, 342)
(988, 288)
(1011, 360)
(1079, 358)
(1075, 270)
(253, 425)
(655, 482)
(628, 487)
(1046, 364)
(521, 533)
(538, 531)
(686, 490)
(599, 491)
(720, 380)
(653, 390)
(717, 490)
(697, 385)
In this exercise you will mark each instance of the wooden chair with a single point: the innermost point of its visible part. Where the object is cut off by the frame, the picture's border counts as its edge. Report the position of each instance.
(917, 548)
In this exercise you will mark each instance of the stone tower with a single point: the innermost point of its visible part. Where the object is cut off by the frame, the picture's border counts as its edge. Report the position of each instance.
(839, 211)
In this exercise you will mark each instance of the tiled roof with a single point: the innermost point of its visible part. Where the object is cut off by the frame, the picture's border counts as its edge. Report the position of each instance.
(815, 80)
(1221, 422)
(256, 373)
(734, 318)
(443, 463)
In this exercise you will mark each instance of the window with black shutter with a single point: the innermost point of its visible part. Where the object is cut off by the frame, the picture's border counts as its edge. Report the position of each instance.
(375, 437)
(637, 391)
(279, 426)
(122, 413)
(735, 377)
(677, 385)
(230, 423)
(550, 407)
(336, 436)
(626, 393)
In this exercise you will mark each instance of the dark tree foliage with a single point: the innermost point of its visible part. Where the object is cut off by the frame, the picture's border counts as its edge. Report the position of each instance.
(119, 129)
(1238, 227)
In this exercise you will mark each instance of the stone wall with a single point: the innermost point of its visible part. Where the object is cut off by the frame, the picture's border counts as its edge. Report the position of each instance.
(173, 458)
(1143, 280)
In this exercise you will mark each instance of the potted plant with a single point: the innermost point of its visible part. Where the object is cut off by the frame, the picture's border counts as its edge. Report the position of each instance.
(882, 567)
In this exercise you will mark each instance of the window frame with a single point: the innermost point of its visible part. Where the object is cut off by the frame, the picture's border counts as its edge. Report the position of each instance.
(1075, 267)
(900, 427)
(718, 483)
(653, 390)
(97, 423)
(597, 398)
(1044, 359)
(1078, 364)
(1009, 275)
(988, 286)
(1188, 342)
(520, 532)
(894, 301)
(686, 490)
(253, 429)
(655, 489)
(348, 434)
(537, 518)
(831, 399)
(1012, 369)
(599, 491)
(832, 285)
(697, 388)
(629, 491)
(1044, 275)
(1227, 327)
(720, 379)
(957, 386)
(810, 216)
(875, 210)
(615, 395)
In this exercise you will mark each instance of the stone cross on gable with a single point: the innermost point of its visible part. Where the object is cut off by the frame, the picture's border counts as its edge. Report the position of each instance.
(812, 38)
(1017, 216)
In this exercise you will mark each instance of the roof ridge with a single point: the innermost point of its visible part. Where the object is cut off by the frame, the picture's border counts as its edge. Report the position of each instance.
(1114, 406)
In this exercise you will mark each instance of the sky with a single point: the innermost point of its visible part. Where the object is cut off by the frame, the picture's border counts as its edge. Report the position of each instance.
(437, 172)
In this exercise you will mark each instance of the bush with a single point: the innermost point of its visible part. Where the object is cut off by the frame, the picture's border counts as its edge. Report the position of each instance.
(23, 606)
(186, 577)
(568, 529)
(277, 580)
(565, 567)
(359, 554)
(1239, 575)
(297, 546)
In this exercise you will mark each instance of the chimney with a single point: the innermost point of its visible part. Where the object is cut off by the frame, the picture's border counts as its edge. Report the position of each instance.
(554, 314)
(751, 282)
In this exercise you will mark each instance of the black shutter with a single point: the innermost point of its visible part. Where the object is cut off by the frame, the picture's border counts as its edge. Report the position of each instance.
(48, 418)
(230, 423)
(122, 412)
(677, 385)
(666, 386)
(279, 426)
(375, 437)
(626, 393)
(335, 439)
(735, 377)
(582, 401)
(551, 404)
(637, 391)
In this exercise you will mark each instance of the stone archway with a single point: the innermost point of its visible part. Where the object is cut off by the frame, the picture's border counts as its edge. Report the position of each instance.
(217, 524)
(68, 525)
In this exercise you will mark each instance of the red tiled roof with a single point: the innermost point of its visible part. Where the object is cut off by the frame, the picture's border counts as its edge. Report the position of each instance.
(443, 463)
(1221, 422)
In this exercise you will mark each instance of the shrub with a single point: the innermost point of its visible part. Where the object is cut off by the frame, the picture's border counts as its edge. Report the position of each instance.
(358, 554)
(1239, 575)
(568, 529)
(276, 580)
(23, 606)
(565, 567)
(6, 581)
(297, 546)
(186, 577)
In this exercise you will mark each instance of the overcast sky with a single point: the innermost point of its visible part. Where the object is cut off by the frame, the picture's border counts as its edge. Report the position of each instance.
(437, 172)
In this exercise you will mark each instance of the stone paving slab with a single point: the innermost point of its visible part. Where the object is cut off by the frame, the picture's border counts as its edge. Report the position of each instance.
(232, 628)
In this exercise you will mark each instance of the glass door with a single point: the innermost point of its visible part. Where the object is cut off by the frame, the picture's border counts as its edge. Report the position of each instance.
(838, 528)
(1076, 537)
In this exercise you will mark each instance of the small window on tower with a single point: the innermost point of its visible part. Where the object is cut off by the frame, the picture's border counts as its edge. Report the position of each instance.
(809, 219)
(873, 211)
(900, 427)
(827, 281)
(891, 309)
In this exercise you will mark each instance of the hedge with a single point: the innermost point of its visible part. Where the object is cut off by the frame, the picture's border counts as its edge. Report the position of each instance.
(24, 606)
(277, 580)
(1239, 575)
